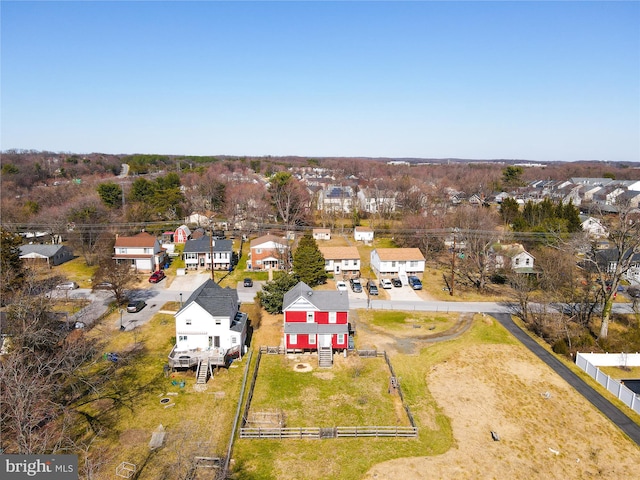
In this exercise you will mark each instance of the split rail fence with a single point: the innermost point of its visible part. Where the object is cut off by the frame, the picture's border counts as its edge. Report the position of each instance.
(332, 432)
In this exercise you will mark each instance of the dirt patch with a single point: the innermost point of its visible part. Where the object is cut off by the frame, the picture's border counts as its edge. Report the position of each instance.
(502, 388)
(302, 367)
(134, 437)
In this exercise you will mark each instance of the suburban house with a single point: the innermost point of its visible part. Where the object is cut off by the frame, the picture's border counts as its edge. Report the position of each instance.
(142, 251)
(321, 234)
(592, 226)
(397, 262)
(363, 234)
(51, 255)
(210, 330)
(343, 261)
(316, 321)
(336, 199)
(513, 256)
(182, 234)
(376, 201)
(608, 260)
(197, 253)
(268, 253)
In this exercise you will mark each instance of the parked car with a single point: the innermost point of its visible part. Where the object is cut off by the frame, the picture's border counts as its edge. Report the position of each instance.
(103, 286)
(633, 292)
(248, 282)
(341, 286)
(386, 283)
(136, 305)
(67, 286)
(156, 276)
(396, 282)
(414, 282)
(356, 286)
(373, 289)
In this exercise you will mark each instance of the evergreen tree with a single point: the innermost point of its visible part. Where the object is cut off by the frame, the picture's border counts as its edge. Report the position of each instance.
(308, 262)
(11, 268)
(110, 194)
(271, 297)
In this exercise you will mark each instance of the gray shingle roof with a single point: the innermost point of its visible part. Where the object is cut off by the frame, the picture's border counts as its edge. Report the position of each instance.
(306, 328)
(46, 250)
(323, 300)
(201, 245)
(217, 301)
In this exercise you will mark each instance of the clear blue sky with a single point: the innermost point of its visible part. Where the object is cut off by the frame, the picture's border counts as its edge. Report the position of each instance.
(527, 80)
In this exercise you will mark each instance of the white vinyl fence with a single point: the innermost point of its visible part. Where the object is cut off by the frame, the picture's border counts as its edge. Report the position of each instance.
(589, 362)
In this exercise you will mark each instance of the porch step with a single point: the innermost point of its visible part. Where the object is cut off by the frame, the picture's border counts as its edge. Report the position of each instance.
(203, 372)
(325, 357)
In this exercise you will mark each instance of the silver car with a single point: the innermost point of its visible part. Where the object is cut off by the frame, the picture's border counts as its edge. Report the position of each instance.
(67, 286)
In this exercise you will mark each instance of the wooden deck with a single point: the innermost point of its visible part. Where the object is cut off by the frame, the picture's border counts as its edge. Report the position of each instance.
(192, 358)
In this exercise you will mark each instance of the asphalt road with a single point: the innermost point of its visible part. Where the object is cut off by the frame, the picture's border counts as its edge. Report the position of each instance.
(607, 408)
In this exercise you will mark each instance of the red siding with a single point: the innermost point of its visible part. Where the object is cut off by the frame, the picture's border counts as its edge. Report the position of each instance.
(322, 317)
(295, 316)
(334, 341)
(302, 342)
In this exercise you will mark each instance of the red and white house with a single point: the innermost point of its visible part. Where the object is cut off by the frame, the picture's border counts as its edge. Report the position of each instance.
(316, 321)
(268, 253)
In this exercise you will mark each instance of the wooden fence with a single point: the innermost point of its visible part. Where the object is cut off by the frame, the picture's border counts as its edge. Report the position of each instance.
(316, 432)
(336, 432)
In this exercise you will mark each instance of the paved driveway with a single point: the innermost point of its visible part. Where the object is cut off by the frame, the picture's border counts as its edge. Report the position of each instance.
(403, 294)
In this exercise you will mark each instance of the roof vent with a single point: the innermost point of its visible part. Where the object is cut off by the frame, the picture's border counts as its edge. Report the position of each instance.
(310, 292)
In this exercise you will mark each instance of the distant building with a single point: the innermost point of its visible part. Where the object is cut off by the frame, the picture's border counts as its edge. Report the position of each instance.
(322, 234)
(363, 234)
(51, 255)
(142, 251)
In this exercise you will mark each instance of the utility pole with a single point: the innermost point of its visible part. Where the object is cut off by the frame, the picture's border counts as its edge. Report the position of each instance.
(211, 253)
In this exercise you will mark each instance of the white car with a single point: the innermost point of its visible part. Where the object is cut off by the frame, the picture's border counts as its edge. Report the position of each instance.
(386, 283)
(67, 286)
(341, 286)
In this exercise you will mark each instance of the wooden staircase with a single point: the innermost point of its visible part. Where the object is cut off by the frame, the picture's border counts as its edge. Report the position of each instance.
(202, 375)
(325, 357)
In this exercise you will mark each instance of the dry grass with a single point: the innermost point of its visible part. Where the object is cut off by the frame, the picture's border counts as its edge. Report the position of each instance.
(198, 423)
(620, 373)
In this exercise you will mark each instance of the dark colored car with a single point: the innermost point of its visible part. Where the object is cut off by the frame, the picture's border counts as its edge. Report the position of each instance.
(415, 282)
(156, 276)
(356, 286)
(396, 282)
(103, 286)
(248, 282)
(373, 289)
(136, 306)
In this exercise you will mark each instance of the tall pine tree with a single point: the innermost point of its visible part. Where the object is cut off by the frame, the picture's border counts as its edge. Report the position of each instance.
(308, 262)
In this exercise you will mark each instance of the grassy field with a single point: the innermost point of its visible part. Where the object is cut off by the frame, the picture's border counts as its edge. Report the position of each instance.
(411, 323)
(351, 458)
(353, 393)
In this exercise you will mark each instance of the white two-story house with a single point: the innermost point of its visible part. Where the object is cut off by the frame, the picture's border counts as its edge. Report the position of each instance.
(142, 251)
(197, 253)
(397, 262)
(210, 329)
(343, 261)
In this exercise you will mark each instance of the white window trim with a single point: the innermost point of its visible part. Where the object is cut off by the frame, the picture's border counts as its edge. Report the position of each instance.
(310, 317)
(293, 339)
(312, 339)
(333, 317)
